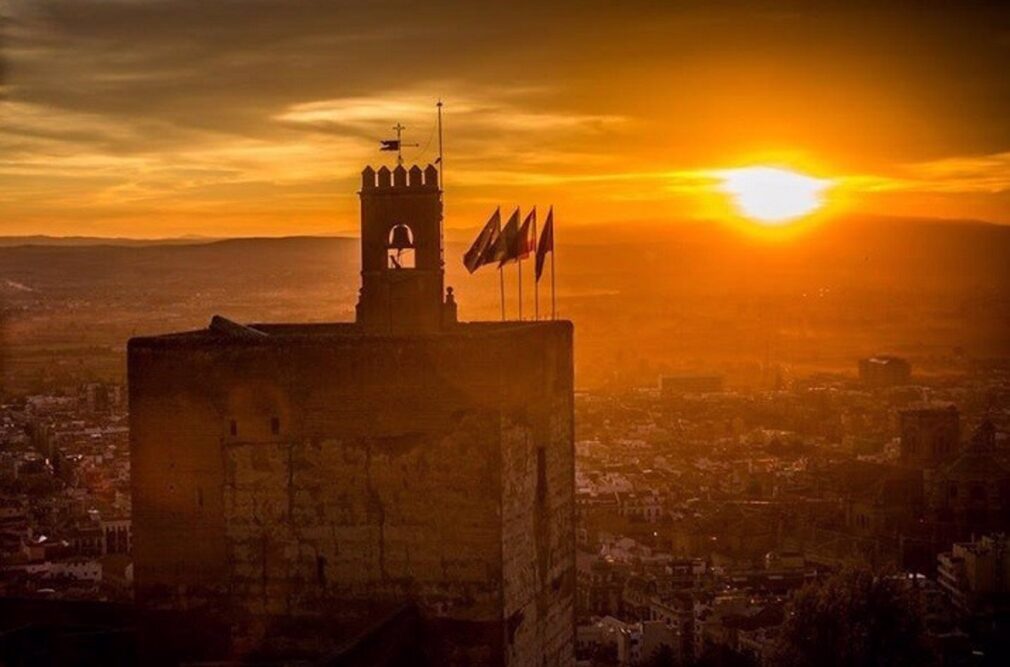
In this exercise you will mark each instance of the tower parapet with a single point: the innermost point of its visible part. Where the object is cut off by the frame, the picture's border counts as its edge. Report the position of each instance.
(416, 178)
(402, 263)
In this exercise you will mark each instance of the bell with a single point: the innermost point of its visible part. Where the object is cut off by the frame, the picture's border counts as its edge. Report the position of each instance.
(401, 238)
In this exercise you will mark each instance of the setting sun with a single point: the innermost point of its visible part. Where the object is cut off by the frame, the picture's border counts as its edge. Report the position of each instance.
(772, 196)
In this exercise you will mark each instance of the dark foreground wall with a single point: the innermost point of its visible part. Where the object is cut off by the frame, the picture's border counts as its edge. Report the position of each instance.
(294, 483)
(64, 633)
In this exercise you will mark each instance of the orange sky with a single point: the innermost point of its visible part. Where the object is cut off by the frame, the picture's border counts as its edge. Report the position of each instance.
(149, 118)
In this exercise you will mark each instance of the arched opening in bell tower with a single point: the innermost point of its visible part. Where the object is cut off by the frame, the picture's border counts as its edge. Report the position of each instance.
(400, 247)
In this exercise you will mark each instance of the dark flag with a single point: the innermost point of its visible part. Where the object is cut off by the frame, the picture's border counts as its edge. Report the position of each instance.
(389, 145)
(527, 241)
(546, 244)
(482, 250)
(506, 249)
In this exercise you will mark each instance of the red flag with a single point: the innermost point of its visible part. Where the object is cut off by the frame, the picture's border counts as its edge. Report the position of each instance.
(546, 244)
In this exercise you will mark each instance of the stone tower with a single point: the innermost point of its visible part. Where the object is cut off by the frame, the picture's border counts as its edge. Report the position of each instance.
(402, 267)
(307, 482)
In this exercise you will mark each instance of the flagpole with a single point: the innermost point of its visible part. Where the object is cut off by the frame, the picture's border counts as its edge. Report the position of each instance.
(399, 144)
(441, 158)
(554, 251)
(536, 283)
(441, 186)
(519, 262)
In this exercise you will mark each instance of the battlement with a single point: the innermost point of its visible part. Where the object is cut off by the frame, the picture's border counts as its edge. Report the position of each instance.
(329, 333)
(402, 274)
(412, 179)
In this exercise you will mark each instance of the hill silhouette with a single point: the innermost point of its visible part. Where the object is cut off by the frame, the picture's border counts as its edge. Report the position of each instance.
(646, 297)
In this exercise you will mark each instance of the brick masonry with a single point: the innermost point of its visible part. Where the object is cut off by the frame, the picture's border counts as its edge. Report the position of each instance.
(299, 482)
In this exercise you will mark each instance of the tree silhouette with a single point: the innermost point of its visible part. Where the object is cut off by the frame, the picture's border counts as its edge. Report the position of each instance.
(661, 657)
(722, 656)
(854, 618)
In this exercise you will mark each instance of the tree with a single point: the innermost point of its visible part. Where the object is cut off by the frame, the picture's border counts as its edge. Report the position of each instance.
(661, 657)
(722, 656)
(852, 619)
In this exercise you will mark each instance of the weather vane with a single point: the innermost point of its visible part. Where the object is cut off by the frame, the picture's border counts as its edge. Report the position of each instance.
(396, 144)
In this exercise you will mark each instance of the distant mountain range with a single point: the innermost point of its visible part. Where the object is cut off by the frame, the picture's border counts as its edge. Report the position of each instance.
(41, 239)
(673, 296)
(589, 233)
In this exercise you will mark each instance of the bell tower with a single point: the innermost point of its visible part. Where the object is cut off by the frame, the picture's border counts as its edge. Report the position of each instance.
(402, 271)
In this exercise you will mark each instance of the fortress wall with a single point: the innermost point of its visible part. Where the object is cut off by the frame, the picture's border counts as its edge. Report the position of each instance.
(538, 513)
(385, 480)
(176, 471)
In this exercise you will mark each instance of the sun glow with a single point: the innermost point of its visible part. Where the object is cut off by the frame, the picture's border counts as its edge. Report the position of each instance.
(773, 196)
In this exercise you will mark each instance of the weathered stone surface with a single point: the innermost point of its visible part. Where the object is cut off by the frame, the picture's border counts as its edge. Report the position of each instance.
(319, 472)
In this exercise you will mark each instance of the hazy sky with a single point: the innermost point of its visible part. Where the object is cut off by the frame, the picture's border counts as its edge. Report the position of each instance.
(160, 118)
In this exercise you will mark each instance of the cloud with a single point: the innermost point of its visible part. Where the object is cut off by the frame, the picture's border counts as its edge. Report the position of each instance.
(132, 109)
(980, 174)
(986, 173)
(480, 124)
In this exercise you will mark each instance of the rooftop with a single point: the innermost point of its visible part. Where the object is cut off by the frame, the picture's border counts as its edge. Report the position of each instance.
(222, 331)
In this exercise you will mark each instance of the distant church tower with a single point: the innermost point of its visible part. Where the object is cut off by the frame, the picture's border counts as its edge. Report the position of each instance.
(402, 265)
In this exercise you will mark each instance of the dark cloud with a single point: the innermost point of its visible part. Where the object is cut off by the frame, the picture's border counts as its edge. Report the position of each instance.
(224, 66)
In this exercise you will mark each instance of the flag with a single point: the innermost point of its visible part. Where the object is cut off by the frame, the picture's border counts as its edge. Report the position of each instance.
(546, 244)
(506, 249)
(527, 241)
(389, 145)
(480, 253)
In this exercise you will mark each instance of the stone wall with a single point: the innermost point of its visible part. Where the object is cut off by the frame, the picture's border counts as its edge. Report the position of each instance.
(303, 480)
(538, 531)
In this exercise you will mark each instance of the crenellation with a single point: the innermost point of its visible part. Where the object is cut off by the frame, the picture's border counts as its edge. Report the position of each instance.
(431, 177)
(399, 177)
(385, 177)
(368, 178)
(416, 178)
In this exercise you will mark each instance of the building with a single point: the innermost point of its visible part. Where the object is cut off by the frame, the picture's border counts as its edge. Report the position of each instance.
(976, 575)
(732, 621)
(882, 500)
(606, 640)
(298, 480)
(971, 494)
(677, 385)
(677, 613)
(117, 535)
(884, 371)
(930, 435)
(611, 641)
